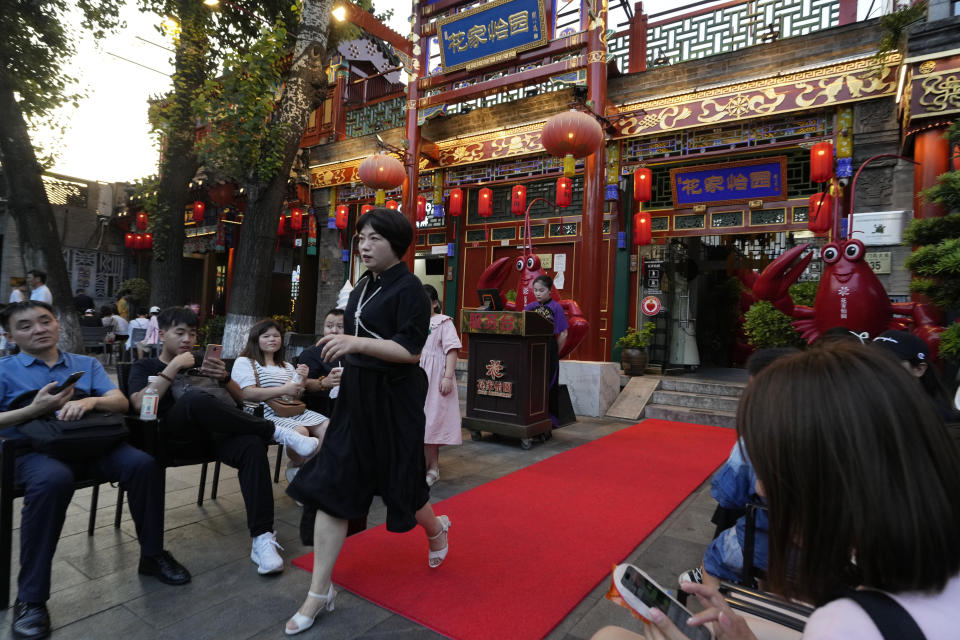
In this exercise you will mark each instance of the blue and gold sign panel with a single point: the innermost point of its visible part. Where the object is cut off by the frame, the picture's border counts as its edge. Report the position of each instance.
(727, 183)
(492, 32)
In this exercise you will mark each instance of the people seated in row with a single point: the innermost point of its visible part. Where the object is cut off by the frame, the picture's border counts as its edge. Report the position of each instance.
(48, 482)
(201, 417)
(861, 479)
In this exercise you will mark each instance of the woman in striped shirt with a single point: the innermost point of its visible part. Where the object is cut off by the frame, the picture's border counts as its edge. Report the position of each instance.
(262, 360)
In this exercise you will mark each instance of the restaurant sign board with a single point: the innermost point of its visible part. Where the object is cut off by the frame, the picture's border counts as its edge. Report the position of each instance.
(491, 32)
(729, 182)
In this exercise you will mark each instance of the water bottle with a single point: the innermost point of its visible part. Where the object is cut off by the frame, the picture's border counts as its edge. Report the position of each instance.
(150, 400)
(296, 379)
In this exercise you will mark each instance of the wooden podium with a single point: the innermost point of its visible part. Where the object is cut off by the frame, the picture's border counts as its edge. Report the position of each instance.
(508, 373)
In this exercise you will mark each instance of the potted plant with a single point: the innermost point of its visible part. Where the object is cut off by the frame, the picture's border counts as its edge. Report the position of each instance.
(633, 348)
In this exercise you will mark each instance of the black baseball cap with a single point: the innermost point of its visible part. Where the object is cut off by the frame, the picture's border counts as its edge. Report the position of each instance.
(904, 345)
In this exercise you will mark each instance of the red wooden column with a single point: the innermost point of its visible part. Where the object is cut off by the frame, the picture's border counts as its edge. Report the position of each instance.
(591, 255)
(411, 186)
(638, 40)
(340, 104)
(931, 151)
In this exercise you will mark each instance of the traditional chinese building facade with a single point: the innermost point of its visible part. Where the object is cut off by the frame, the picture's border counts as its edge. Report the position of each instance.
(722, 104)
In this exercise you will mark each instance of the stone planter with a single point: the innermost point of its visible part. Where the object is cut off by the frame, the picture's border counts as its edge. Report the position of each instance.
(633, 361)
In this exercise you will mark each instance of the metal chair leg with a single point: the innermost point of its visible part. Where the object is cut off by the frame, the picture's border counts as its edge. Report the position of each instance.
(216, 481)
(203, 484)
(276, 471)
(119, 512)
(94, 499)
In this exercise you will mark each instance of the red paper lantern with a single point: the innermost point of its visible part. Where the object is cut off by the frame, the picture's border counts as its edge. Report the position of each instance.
(138, 241)
(365, 208)
(518, 200)
(391, 204)
(343, 215)
(821, 162)
(148, 241)
(296, 218)
(572, 134)
(642, 232)
(485, 203)
(142, 220)
(642, 185)
(820, 218)
(129, 241)
(421, 208)
(199, 208)
(456, 202)
(564, 191)
(282, 225)
(381, 172)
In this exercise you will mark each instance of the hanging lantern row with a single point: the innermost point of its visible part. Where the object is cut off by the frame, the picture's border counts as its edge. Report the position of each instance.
(138, 241)
(571, 135)
(381, 172)
(820, 217)
(642, 185)
(642, 230)
(518, 200)
(821, 162)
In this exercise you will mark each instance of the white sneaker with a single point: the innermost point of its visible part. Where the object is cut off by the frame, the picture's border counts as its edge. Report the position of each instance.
(264, 553)
(300, 444)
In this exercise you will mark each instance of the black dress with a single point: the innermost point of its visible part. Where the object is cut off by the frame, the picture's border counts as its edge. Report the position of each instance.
(374, 444)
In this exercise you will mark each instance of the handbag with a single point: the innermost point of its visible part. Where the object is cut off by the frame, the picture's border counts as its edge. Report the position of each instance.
(282, 407)
(96, 433)
(184, 383)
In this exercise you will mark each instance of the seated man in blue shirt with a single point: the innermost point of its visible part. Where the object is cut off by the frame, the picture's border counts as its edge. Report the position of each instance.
(48, 482)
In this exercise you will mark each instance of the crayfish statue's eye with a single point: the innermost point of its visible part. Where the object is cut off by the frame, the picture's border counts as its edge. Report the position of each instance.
(830, 253)
(853, 250)
(530, 263)
(519, 264)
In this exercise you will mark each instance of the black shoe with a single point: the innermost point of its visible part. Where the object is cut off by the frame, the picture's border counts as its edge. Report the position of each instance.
(164, 568)
(30, 620)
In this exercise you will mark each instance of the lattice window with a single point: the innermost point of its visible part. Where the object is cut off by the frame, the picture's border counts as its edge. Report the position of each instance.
(738, 27)
(380, 116)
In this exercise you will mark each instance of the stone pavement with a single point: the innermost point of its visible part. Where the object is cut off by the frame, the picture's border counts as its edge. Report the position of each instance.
(98, 594)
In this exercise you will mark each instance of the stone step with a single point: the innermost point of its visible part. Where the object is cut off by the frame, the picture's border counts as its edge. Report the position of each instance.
(695, 400)
(708, 387)
(695, 416)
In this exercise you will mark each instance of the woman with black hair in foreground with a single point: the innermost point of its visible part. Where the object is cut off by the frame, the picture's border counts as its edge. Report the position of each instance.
(863, 486)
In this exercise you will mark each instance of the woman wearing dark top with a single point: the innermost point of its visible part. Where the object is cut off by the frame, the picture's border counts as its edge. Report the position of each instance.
(374, 445)
(551, 310)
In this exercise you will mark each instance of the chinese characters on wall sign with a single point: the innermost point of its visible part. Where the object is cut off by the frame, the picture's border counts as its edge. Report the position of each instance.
(761, 179)
(492, 31)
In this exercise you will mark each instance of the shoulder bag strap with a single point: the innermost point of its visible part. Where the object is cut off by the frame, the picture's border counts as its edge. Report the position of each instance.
(891, 618)
(256, 374)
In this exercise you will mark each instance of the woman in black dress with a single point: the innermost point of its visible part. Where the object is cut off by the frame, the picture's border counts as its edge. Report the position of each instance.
(374, 444)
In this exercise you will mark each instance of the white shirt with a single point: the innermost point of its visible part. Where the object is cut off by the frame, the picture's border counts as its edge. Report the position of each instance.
(938, 616)
(136, 323)
(42, 293)
(16, 296)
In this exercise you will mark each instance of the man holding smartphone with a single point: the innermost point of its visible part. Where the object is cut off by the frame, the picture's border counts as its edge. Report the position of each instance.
(48, 482)
(200, 419)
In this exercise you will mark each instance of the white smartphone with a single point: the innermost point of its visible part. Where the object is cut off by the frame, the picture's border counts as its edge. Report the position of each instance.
(642, 593)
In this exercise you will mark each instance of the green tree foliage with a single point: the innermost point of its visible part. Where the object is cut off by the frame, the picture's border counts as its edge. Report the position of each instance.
(936, 262)
(804, 293)
(766, 327)
(950, 342)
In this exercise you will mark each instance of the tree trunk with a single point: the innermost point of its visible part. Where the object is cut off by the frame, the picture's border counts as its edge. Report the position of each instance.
(305, 86)
(179, 162)
(329, 284)
(36, 227)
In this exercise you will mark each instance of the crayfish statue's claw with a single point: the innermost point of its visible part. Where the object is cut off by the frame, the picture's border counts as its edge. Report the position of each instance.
(496, 274)
(774, 283)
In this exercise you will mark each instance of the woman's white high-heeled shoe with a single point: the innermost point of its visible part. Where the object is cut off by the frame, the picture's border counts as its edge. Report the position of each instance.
(435, 558)
(305, 622)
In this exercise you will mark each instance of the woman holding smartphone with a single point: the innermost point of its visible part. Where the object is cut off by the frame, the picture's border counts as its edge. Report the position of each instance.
(374, 445)
(861, 478)
(262, 375)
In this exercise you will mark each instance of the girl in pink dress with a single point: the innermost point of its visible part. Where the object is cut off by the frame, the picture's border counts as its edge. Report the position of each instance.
(439, 360)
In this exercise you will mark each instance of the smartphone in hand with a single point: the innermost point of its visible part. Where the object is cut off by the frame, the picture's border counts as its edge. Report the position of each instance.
(213, 351)
(66, 383)
(642, 594)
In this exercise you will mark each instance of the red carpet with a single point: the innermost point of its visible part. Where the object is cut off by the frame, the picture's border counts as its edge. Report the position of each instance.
(525, 549)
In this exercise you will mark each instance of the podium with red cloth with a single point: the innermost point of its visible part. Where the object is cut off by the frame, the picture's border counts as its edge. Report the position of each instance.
(508, 372)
